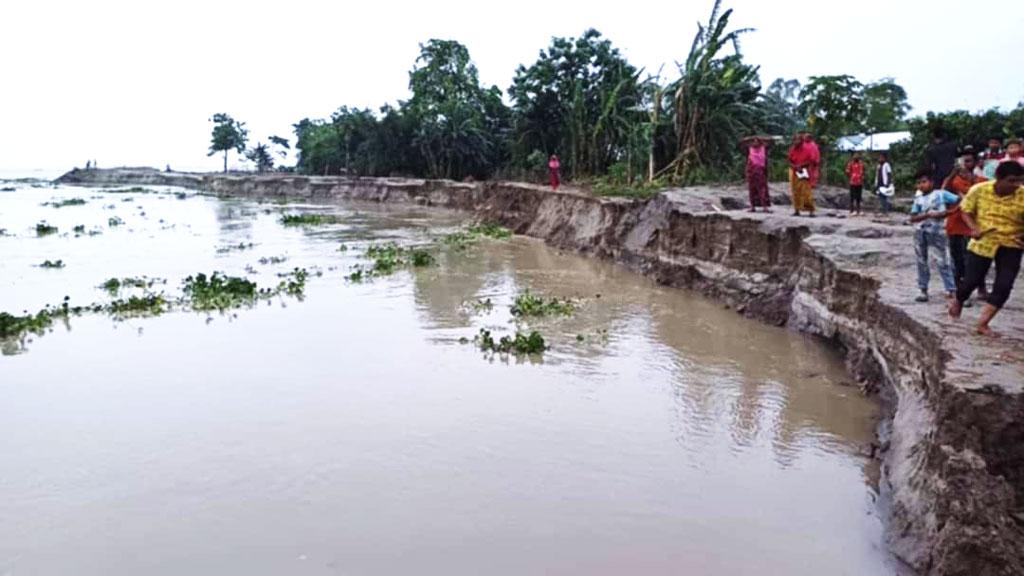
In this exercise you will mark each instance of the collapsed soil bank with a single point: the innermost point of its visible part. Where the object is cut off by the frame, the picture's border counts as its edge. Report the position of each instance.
(953, 447)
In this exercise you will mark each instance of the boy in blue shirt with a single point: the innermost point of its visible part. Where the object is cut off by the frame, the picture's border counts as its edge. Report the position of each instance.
(928, 216)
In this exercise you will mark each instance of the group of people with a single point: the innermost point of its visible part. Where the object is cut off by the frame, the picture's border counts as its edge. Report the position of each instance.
(968, 210)
(976, 222)
(804, 159)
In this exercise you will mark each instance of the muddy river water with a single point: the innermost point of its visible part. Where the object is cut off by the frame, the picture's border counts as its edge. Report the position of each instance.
(355, 431)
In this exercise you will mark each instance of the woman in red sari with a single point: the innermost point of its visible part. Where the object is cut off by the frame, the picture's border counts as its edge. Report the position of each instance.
(804, 165)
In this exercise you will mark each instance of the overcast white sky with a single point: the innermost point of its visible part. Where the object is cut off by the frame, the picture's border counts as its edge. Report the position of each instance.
(134, 83)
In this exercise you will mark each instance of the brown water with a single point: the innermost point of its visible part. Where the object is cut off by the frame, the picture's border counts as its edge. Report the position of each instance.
(352, 433)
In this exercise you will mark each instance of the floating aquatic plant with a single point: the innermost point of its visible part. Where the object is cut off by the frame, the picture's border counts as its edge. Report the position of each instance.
(44, 229)
(520, 343)
(529, 304)
(79, 229)
(114, 221)
(235, 248)
(309, 219)
(219, 292)
(64, 203)
(114, 285)
(462, 239)
(490, 231)
(146, 305)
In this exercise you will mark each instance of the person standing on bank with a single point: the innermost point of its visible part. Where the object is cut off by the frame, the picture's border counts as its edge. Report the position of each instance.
(855, 172)
(757, 172)
(804, 158)
(963, 178)
(941, 156)
(994, 211)
(931, 206)
(554, 168)
(884, 186)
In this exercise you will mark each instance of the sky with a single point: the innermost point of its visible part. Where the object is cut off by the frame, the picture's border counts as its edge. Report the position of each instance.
(135, 83)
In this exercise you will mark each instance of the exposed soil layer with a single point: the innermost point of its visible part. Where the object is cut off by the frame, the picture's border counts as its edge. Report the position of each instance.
(953, 443)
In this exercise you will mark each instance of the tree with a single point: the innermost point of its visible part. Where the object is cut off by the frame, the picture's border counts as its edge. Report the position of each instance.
(458, 124)
(833, 106)
(228, 134)
(582, 99)
(886, 106)
(715, 98)
(282, 144)
(779, 103)
(260, 155)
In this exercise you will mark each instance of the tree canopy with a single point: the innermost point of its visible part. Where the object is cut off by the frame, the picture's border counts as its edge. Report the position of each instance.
(583, 100)
(228, 134)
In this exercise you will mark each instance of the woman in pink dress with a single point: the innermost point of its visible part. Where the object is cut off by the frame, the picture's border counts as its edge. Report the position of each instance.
(553, 170)
(757, 172)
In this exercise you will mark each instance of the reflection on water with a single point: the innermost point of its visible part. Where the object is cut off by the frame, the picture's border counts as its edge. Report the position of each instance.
(352, 434)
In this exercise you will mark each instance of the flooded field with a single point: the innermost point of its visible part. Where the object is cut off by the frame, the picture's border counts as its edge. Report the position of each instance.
(351, 424)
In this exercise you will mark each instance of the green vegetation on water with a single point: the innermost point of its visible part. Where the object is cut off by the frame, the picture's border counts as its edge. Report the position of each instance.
(294, 283)
(482, 305)
(219, 292)
(390, 257)
(309, 219)
(12, 326)
(64, 203)
(146, 305)
(465, 238)
(79, 229)
(114, 221)
(235, 248)
(529, 304)
(490, 231)
(519, 344)
(115, 285)
(44, 229)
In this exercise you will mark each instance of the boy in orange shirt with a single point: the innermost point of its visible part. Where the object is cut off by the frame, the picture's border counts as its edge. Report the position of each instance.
(959, 182)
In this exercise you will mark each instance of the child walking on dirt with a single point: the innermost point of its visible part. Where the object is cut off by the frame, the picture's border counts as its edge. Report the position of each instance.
(855, 172)
(928, 214)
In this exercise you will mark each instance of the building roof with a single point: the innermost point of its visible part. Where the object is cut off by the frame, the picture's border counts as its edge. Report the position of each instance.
(870, 142)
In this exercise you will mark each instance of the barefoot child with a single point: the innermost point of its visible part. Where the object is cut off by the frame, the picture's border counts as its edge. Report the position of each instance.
(994, 211)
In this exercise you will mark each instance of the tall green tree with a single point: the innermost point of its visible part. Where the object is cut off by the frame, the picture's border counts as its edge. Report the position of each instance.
(581, 99)
(780, 102)
(228, 134)
(715, 100)
(833, 106)
(260, 155)
(886, 106)
(458, 123)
